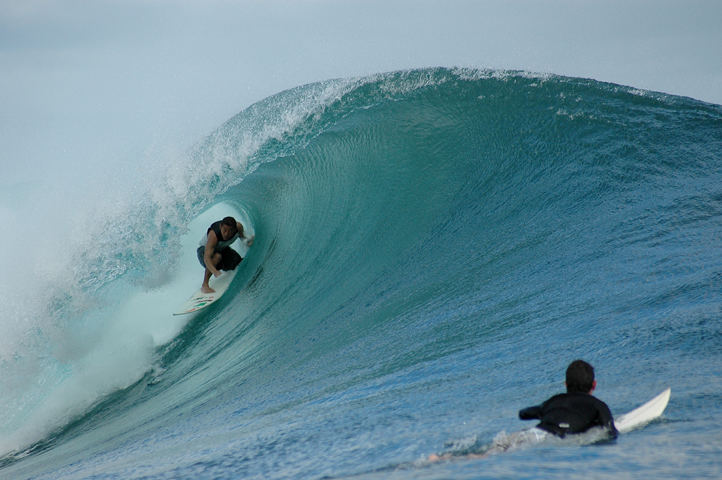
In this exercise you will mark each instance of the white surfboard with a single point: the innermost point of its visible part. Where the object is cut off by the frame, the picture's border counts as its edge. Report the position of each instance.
(643, 414)
(201, 300)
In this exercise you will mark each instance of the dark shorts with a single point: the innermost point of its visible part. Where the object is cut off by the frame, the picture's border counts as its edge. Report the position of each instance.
(229, 258)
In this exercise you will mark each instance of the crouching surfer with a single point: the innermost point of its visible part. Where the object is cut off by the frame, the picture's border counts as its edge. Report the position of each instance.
(215, 252)
(569, 413)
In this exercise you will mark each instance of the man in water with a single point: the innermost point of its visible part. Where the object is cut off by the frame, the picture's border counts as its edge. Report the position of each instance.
(566, 413)
(575, 411)
(215, 252)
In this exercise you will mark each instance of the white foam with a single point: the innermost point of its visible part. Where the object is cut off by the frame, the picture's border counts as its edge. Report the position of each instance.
(56, 368)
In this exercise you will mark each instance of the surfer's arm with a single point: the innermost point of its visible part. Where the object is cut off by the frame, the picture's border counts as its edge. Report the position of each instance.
(531, 413)
(612, 429)
(208, 253)
(242, 233)
(608, 421)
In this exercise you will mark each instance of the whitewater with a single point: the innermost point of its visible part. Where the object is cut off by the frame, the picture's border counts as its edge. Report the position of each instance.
(432, 248)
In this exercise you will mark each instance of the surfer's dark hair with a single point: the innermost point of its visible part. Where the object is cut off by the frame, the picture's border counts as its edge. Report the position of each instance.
(580, 377)
(231, 222)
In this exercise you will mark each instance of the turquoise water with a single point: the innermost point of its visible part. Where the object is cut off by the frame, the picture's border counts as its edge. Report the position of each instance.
(433, 247)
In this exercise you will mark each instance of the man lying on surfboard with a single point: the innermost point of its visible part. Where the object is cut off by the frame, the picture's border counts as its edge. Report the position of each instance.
(575, 411)
(214, 251)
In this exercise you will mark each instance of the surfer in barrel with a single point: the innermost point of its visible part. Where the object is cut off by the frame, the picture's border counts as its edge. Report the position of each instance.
(215, 252)
(575, 411)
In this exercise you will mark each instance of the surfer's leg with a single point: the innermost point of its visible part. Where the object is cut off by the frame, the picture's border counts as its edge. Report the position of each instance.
(230, 259)
(205, 287)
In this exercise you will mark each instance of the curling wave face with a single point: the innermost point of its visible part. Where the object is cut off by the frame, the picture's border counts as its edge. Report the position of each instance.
(414, 231)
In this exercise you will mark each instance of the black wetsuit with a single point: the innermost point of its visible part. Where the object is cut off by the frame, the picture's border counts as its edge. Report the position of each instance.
(571, 413)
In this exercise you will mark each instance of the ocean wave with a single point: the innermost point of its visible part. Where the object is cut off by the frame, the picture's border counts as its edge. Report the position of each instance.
(400, 219)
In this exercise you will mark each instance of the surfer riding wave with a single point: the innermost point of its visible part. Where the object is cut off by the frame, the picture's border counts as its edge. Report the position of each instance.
(215, 252)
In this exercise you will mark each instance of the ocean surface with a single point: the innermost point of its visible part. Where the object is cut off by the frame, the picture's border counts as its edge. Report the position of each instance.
(432, 248)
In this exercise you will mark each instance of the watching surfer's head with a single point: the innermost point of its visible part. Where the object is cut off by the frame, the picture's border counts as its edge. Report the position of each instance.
(580, 377)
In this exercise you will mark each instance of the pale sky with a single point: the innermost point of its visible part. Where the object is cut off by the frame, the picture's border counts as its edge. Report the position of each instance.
(109, 79)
